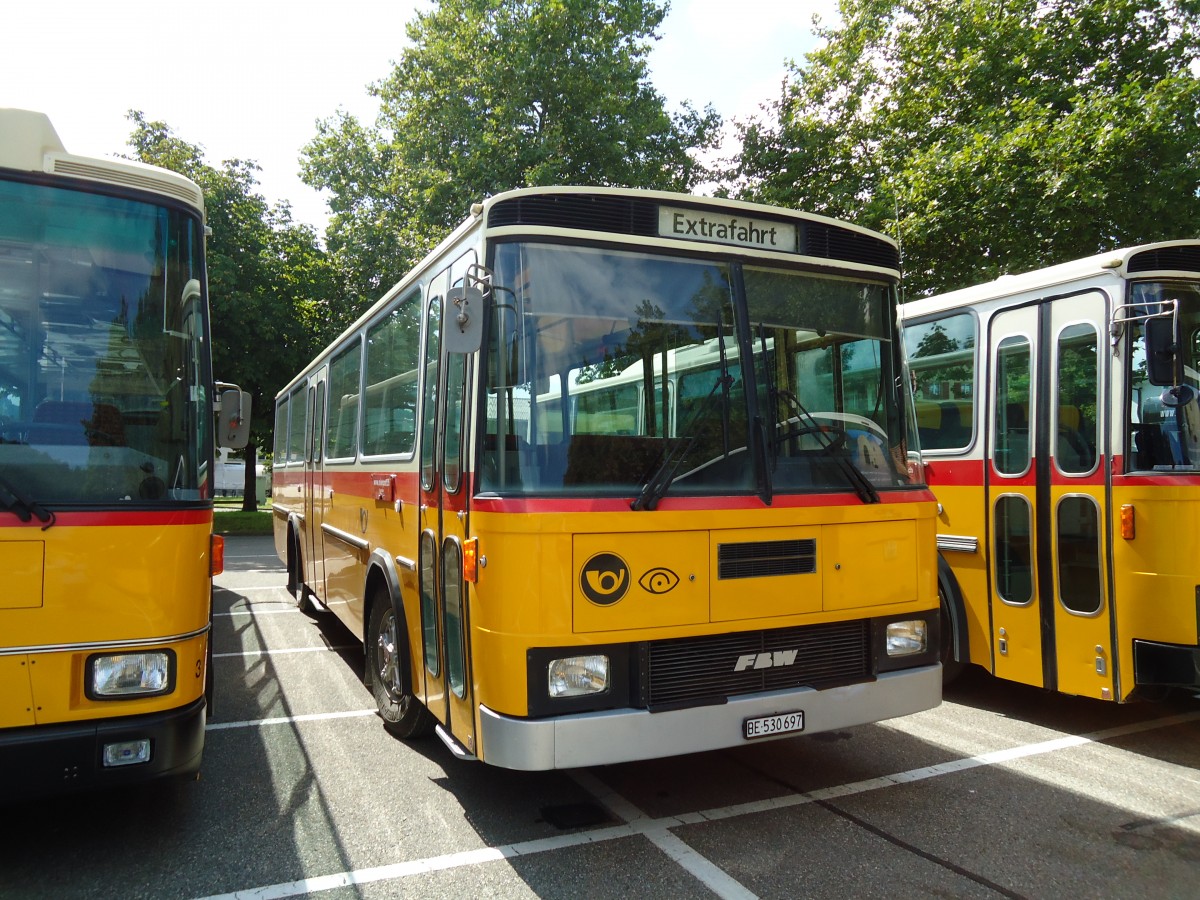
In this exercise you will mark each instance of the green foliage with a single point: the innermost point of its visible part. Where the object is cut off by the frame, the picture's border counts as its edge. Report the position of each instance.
(243, 521)
(269, 281)
(493, 95)
(991, 136)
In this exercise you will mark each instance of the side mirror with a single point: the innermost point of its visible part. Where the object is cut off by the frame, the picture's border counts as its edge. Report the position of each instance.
(233, 418)
(1162, 351)
(463, 329)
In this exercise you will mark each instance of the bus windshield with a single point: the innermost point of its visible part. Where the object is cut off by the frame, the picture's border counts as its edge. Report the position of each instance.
(102, 348)
(621, 373)
(1164, 422)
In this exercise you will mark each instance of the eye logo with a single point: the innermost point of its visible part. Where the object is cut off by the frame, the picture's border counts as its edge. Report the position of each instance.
(604, 579)
(658, 581)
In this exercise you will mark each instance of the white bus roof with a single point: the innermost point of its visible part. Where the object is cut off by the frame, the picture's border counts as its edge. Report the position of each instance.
(29, 143)
(1113, 262)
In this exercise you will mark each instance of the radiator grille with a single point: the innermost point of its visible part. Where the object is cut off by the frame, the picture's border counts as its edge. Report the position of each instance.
(639, 216)
(754, 560)
(703, 669)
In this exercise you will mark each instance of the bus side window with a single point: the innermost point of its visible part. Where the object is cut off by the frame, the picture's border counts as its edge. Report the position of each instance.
(1074, 450)
(1012, 440)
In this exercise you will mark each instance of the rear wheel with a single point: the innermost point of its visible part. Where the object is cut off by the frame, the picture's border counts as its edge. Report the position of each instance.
(387, 662)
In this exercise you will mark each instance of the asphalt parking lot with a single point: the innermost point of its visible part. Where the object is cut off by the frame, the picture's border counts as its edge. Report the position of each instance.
(1002, 791)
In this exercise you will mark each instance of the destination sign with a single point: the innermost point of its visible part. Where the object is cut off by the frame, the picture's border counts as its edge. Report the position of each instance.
(706, 225)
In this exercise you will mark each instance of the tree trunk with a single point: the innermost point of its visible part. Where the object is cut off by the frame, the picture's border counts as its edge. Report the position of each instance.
(250, 485)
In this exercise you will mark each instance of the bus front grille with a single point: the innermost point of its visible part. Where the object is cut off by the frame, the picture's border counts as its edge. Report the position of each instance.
(710, 669)
(761, 558)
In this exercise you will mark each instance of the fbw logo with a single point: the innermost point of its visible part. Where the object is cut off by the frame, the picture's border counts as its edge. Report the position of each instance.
(604, 579)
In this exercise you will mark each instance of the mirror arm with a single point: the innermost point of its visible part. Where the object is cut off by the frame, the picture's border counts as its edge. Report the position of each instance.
(1115, 328)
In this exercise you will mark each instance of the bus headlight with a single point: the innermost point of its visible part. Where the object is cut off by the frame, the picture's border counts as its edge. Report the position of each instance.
(576, 676)
(907, 638)
(123, 675)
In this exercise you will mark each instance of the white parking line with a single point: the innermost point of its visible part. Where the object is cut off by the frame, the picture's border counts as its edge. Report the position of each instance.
(257, 612)
(335, 649)
(289, 720)
(703, 870)
(637, 823)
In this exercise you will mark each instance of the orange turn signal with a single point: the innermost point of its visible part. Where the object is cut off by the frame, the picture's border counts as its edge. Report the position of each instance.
(217, 556)
(471, 560)
(1127, 529)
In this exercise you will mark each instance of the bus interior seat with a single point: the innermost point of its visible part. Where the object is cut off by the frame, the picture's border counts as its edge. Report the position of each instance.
(610, 459)
(514, 449)
(1073, 448)
(79, 423)
(1012, 438)
(929, 420)
(943, 425)
(956, 423)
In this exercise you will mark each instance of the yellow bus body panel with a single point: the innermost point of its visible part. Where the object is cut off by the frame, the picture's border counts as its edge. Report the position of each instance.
(962, 513)
(103, 585)
(1156, 586)
(529, 592)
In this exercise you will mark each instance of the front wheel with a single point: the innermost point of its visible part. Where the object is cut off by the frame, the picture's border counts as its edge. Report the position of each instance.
(387, 660)
(951, 667)
(296, 586)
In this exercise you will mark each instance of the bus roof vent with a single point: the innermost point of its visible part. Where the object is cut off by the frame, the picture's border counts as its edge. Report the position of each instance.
(594, 212)
(130, 174)
(1180, 258)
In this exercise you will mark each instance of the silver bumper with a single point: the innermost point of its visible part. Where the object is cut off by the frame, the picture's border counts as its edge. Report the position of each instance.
(623, 735)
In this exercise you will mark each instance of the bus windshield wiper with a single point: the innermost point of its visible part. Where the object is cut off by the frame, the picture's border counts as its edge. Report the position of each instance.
(830, 446)
(24, 508)
(660, 479)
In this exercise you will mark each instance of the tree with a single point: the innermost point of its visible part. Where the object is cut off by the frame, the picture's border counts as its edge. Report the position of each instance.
(991, 136)
(493, 95)
(269, 281)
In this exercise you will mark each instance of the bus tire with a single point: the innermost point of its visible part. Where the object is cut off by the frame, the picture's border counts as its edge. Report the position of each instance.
(951, 667)
(296, 585)
(404, 716)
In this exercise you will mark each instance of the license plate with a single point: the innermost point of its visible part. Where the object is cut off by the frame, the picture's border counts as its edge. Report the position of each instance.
(769, 726)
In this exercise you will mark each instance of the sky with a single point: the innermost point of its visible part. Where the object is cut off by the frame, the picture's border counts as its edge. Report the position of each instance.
(249, 79)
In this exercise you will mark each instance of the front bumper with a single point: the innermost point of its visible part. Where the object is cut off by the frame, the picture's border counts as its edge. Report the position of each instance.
(624, 735)
(48, 759)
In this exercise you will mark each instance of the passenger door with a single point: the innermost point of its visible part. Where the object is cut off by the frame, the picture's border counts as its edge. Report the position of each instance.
(1050, 615)
(1015, 600)
(444, 509)
(313, 550)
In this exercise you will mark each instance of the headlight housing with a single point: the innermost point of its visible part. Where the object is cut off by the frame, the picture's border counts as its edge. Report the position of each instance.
(122, 676)
(907, 637)
(576, 676)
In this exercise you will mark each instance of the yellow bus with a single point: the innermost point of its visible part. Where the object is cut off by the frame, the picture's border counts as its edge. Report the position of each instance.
(106, 445)
(1058, 420)
(616, 475)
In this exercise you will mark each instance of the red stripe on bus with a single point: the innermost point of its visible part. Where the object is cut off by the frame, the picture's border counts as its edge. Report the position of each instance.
(969, 473)
(119, 518)
(668, 504)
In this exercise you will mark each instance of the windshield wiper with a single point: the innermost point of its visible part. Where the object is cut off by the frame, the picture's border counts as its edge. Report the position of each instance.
(24, 508)
(660, 479)
(831, 447)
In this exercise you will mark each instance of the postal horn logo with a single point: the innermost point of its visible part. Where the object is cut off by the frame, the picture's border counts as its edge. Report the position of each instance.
(604, 579)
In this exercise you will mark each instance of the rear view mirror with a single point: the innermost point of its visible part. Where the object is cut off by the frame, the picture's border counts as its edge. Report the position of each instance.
(463, 330)
(233, 418)
(1162, 367)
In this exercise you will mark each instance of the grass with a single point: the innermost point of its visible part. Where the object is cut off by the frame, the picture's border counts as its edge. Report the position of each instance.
(230, 518)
